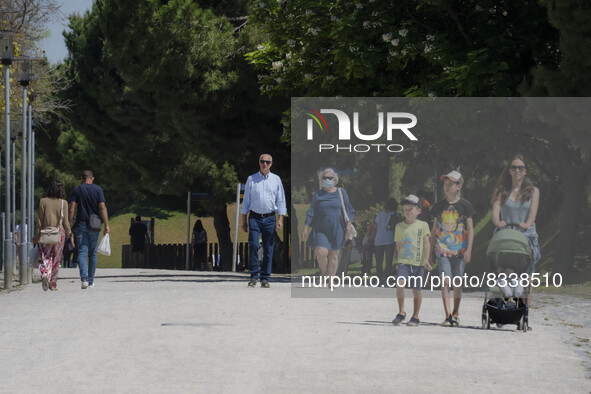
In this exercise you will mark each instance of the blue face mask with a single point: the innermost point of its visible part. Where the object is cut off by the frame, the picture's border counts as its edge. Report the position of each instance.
(327, 183)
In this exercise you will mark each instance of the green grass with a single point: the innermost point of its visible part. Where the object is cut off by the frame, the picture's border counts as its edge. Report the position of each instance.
(301, 210)
(582, 290)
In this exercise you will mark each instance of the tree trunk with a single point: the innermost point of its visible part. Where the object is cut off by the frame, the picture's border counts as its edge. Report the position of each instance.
(572, 183)
(222, 229)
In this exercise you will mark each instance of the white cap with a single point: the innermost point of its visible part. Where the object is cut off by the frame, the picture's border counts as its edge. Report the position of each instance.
(411, 199)
(454, 176)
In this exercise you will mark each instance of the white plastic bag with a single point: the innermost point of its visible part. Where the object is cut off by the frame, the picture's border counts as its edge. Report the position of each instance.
(105, 246)
(34, 256)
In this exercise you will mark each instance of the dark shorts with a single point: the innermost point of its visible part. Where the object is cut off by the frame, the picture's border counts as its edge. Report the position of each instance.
(412, 274)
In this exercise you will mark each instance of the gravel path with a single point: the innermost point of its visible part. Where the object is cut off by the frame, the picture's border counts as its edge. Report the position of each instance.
(155, 331)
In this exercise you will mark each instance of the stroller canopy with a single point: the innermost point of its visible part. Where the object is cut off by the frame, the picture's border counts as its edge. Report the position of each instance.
(509, 241)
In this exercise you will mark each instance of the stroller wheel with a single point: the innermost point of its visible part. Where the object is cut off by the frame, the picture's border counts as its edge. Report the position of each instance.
(485, 321)
(524, 325)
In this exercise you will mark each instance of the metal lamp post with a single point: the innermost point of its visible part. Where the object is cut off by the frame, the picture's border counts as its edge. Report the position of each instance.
(31, 178)
(13, 136)
(6, 49)
(14, 123)
(26, 68)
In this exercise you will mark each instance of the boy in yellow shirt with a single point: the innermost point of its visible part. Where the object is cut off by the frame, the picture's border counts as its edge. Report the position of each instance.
(412, 243)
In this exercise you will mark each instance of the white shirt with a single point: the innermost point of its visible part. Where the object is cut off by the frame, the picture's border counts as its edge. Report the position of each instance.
(17, 230)
(264, 194)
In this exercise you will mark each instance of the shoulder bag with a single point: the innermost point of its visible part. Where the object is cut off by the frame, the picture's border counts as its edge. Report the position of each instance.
(353, 232)
(94, 222)
(51, 235)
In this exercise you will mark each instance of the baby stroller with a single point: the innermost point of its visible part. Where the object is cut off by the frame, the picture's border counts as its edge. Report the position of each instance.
(508, 251)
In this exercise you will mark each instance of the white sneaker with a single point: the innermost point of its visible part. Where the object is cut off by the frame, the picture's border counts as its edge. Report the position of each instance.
(91, 286)
(85, 285)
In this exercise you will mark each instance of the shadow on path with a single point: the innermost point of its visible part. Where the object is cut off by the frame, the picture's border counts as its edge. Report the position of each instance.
(423, 323)
(181, 277)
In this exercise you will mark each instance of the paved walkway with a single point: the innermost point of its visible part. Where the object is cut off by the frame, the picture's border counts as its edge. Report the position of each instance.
(158, 331)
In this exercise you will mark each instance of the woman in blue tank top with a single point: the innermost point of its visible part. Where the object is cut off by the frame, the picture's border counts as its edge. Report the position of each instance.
(515, 200)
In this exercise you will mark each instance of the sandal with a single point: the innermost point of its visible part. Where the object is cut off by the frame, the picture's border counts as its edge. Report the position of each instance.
(447, 322)
(398, 319)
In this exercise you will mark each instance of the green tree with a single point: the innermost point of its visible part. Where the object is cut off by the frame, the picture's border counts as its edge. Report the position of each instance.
(446, 48)
(28, 20)
(443, 48)
(407, 48)
(165, 97)
(568, 136)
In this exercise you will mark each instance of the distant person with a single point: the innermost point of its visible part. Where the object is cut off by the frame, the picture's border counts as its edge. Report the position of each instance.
(384, 246)
(17, 233)
(412, 243)
(199, 241)
(52, 213)
(452, 236)
(17, 238)
(368, 248)
(87, 199)
(69, 257)
(326, 218)
(138, 232)
(515, 201)
(263, 197)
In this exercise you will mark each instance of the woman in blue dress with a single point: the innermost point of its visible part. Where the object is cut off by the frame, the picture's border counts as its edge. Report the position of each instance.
(327, 220)
(515, 200)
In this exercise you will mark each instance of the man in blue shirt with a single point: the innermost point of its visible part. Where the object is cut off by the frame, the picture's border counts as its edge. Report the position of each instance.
(263, 195)
(89, 199)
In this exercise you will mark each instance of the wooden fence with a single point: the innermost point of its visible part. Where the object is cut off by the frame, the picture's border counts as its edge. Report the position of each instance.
(307, 258)
(173, 257)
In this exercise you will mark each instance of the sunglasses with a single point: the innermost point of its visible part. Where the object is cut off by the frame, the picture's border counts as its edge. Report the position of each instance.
(328, 177)
(265, 161)
(517, 168)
